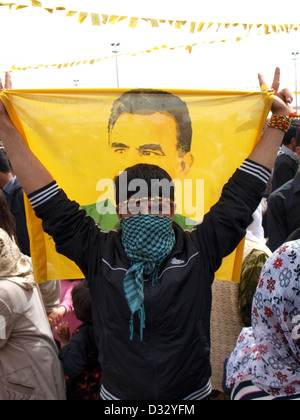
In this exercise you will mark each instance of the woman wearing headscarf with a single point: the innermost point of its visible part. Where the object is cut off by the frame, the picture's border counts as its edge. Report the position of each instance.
(29, 365)
(265, 364)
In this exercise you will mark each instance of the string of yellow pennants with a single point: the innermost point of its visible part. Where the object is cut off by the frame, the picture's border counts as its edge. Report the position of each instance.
(99, 19)
(97, 60)
(93, 61)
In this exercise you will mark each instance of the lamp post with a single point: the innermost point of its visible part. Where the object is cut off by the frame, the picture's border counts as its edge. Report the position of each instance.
(296, 56)
(116, 51)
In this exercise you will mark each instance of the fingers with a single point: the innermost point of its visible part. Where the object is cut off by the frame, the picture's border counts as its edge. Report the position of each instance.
(286, 96)
(275, 84)
(276, 80)
(1, 85)
(62, 328)
(262, 82)
(8, 83)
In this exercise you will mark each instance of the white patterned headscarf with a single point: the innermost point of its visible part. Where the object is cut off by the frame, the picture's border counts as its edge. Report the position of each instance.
(270, 350)
(14, 266)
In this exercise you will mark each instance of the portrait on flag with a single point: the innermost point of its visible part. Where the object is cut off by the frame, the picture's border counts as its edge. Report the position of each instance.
(86, 138)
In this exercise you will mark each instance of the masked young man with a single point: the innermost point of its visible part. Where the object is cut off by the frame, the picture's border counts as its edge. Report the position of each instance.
(151, 281)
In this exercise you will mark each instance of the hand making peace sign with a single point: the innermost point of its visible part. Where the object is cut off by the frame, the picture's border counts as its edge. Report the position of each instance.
(282, 99)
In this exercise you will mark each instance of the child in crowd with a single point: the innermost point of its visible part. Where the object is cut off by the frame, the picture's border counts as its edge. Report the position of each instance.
(64, 312)
(80, 355)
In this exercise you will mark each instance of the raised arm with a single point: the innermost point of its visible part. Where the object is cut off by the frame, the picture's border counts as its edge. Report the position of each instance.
(266, 151)
(31, 174)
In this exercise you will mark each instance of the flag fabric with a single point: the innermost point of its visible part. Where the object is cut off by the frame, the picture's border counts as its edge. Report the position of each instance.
(84, 146)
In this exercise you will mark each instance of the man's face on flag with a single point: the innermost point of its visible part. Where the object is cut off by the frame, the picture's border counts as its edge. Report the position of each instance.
(148, 138)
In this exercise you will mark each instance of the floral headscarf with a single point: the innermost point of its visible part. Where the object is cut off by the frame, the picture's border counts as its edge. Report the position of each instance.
(270, 350)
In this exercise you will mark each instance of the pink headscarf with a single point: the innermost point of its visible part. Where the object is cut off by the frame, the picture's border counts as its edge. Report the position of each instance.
(270, 350)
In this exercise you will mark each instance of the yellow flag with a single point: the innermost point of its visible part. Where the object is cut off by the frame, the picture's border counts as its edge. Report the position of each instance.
(68, 132)
(36, 3)
(71, 13)
(133, 22)
(82, 16)
(113, 19)
(95, 19)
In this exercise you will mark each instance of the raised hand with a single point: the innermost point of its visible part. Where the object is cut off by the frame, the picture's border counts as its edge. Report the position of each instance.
(282, 98)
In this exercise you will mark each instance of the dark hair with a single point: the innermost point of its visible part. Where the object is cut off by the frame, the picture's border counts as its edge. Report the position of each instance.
(149, 174)
(82, 302)
(7, 220)
(5, 165)
(150, 101)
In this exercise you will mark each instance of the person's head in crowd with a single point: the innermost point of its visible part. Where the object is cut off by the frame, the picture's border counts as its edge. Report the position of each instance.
(7, 220)
(289, 139)
(82, 302)
(270, 350)
(153, 192)
(6, 173)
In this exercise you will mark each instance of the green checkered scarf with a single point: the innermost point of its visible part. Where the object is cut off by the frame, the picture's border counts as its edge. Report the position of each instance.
(147, 240)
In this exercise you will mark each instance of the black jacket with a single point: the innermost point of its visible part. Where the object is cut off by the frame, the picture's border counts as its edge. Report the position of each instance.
(173, 360)
(283, 212)
(285, 169)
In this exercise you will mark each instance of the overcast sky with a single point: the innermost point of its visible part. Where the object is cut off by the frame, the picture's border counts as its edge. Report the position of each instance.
(33, 36)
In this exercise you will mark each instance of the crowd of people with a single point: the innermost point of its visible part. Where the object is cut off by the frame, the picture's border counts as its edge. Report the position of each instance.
(137, 327)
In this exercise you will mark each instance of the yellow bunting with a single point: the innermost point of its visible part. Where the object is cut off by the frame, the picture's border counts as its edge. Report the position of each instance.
(179, 24)
(82, 16)
(113, 19)
(95, 19)
(201, 26)
(133, 22)
(71, 13)
(36, 3)
(193, 27)
(154, 23)
(105, 19)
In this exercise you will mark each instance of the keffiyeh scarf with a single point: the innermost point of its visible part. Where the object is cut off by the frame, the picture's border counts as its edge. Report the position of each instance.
(270, 350)
(14, 266)
(147, 240)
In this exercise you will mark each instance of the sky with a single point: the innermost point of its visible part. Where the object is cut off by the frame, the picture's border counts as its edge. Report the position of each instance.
(32, 36)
